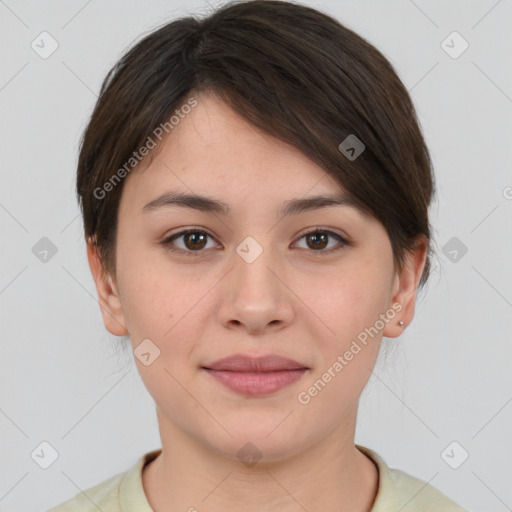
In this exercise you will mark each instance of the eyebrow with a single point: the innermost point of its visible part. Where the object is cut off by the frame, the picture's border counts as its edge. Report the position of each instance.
(210, 205)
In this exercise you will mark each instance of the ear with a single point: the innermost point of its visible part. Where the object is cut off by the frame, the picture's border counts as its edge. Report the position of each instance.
(108, 296)
(405, 288)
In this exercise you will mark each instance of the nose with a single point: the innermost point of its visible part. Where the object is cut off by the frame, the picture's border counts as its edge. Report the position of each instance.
(254, 296)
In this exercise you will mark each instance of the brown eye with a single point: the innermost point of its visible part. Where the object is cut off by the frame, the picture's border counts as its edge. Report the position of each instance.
(318, 240)
(193, 242)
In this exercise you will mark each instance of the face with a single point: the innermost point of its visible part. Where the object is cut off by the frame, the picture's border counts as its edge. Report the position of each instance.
(249, 281)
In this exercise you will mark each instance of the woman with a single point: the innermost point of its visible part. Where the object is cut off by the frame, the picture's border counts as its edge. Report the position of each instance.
(255, 190)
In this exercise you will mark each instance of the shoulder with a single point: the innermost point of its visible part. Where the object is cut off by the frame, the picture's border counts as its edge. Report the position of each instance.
(399, 490)
(104, 496)
(420, 496)
(119, 493)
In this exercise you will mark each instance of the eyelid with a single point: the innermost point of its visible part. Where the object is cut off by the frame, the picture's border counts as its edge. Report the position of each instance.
(324, 229)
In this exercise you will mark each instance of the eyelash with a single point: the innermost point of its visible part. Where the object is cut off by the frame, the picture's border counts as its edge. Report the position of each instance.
(343, 242)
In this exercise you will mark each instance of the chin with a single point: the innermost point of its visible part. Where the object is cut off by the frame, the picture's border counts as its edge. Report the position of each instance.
(258, 444)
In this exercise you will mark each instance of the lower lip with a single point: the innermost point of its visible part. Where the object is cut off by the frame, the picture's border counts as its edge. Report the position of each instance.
(256, 384)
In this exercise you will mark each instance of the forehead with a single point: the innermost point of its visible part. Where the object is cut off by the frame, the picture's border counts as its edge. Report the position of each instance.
(214, 135)
(216, 162)
(214, 145)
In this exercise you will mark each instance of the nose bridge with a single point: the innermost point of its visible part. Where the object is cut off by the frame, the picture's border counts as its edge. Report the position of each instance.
(253, 295)
(253, 262)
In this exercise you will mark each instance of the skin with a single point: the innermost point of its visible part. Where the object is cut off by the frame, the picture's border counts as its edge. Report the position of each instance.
(292, 301)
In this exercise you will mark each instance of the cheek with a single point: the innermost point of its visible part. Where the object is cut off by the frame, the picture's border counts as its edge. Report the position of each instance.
(161, 309)
(168, 307)
(346, 303)
(348, 307)
(347, 353)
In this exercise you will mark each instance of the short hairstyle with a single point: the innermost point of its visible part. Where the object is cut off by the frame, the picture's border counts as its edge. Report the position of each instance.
(290, 70)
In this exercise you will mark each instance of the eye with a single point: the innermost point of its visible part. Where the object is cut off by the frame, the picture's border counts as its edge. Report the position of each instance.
(318, 239)
(195, 240)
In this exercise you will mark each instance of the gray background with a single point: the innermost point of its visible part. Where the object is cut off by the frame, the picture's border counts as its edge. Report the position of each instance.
(448, 377)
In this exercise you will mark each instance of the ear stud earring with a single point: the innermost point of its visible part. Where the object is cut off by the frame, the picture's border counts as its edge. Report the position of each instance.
(401, 324)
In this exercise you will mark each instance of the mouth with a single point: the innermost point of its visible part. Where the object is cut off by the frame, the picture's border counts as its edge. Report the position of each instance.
(258, 376)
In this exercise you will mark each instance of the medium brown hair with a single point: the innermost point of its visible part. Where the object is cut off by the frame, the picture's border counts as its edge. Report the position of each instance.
(294, 72)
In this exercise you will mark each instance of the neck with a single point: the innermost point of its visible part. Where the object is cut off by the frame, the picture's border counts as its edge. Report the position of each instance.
(331, 475)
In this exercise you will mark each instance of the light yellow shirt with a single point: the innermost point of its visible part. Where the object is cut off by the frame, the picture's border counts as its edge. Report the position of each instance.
(397, 491)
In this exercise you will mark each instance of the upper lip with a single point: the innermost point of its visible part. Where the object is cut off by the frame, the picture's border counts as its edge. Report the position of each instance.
(243, 363)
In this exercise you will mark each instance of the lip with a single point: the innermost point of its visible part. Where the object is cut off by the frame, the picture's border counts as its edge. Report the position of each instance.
(243, 363)
(254, 376)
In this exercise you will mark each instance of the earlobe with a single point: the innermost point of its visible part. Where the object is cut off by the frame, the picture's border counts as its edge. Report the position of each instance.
(405, 288)
(108, 295)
